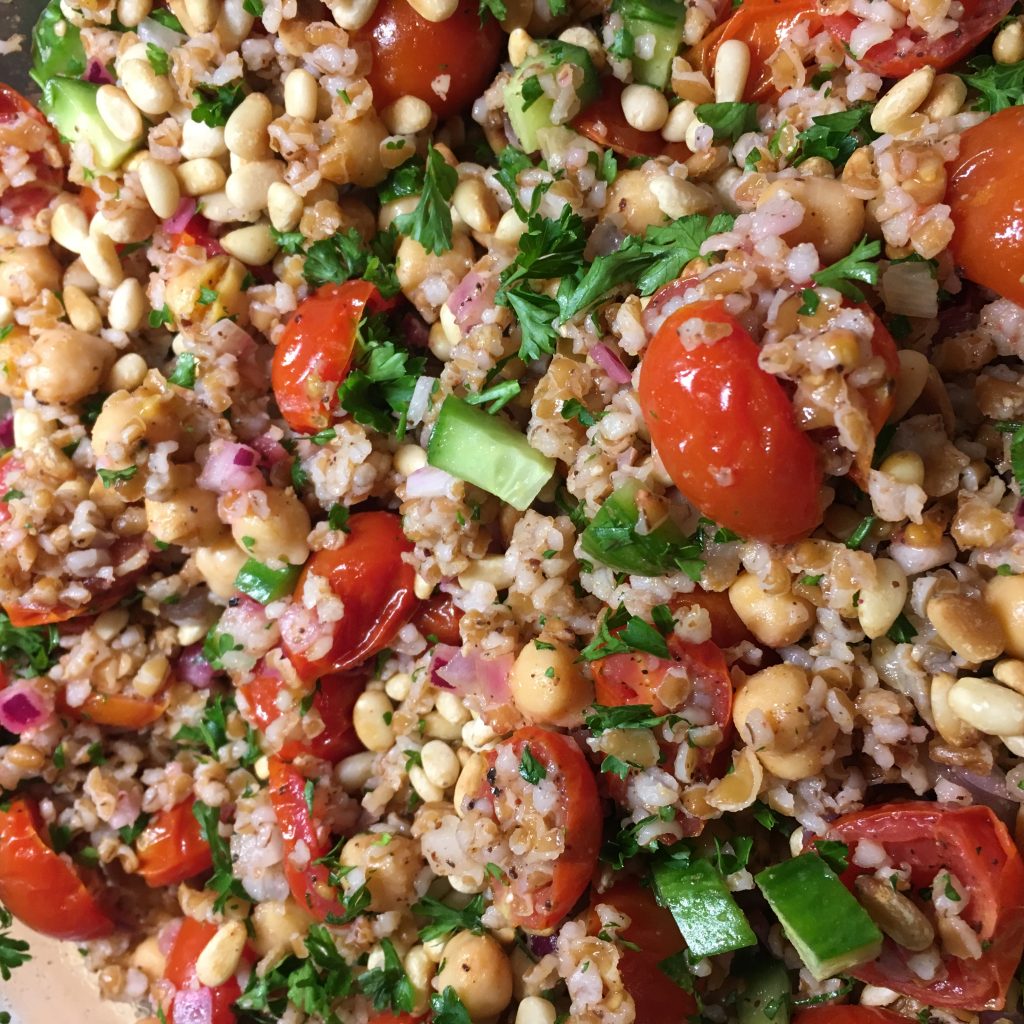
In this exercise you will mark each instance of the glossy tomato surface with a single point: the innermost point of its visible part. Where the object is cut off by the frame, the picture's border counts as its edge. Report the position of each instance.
(909, 49)
(171, 848)
(725, 429)
(848, 1015)
(375, 585)
(193, 1001)
(727, 628)
(975, 846)
(438, 619)
(986, 201)
(315, 352)
(411, 55)
(652, 937)
(41, 887)
(579, 812)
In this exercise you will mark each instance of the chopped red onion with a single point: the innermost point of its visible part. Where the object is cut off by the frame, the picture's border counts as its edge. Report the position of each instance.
(97, 73)
(415, 331)
(440, 657)
(193, 1007)
(475, 675)
(194, 669)
(245, 456)
(472, 296)
(541, 945)
(610, 363)
(270, 448)
(168, 934)
(23, 707)
(1018, 516)
(428, 482)
(181, 216)
(7, 431)
(225, 472)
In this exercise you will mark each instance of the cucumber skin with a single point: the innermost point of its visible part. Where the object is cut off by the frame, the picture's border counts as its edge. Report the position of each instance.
(656, 69)
(70, 106)
(766, 984)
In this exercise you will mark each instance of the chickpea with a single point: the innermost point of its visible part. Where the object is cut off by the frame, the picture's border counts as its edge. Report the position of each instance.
(126, 420)
(833, 217)
(69, 365)
(632, 203)
(281, 536)
(13, 349)
(223, 275)
(276, 923)
(1005, 596)
(414, 264)
(775, 619)
(799, 744)
(188, 517)
(26, 271)
(547, 684)
(392, 869)
(218, 564)
(478, 969)
(352, 157)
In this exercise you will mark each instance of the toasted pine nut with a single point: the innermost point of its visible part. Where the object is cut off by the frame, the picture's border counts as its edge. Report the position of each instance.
(70, 227)
(253, 244)
(902, 100)
(119, 114)
(220, 956)
(300, 94)
(644, 107)
(160, 187)
(732, 66)
(201, 176)
(989, 707)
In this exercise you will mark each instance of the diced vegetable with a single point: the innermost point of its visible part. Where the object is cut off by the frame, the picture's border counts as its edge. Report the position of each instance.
(829, 928)
(486, 451)
(703, 907)
(70, 106)
(264, 584)
(664, 21)
(56, 46)
(765, 996)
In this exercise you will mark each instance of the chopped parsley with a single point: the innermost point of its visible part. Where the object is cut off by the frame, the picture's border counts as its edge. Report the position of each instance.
(998, 85)
(289, 242)
(337, 518)
(253, 7)
(621, 633)
(222, 881)
(215, 103)
(129, 833)
(430, 223)
(447, 1008)
(13, 952)
(835, 137)
(116, 476)
(210, 734)
(615, 766)
(497, 395)
(164, 16)
(835, 854)
(860, 534)
(28, 650)
(857, 266)
(530, 768)
(574, 409)
(728, 120)
(216, 645)
(159, 60)
(493, 8)
(902, 630)
(184, 374)
(601, 719)
(160, 317)
(444, 919)
(388, 987)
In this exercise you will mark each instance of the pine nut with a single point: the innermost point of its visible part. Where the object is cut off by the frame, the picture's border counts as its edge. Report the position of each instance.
(118, 112)
(881, 602)
(679, 119)
(355, 771)
(902, 99)
(253, 244)
(987, 706)
(371, 718)
(150, 92)
(1005, 596)
(520, 46)
(284, 206)
(407, 116)
(967, 626)
(220, 956)
(451, 708)
(476, 205)
(584, 37)
(202, 14)
(127, 373)
(398, 686)
(100, 258)
(897, 916)
(1008, 45)
(1010, 672)
(425, 789)
(199, 139)
(245, 133)
(904, 467)
(470, 778)
(151, 675)
(645, 108)
(440, 764)
(25, 757)
(352, 14)
(732, 66)
(81, 310)
(536, 1010)
(422, 588)
(677, 197)
(127, 306)
(409, 458)
(420, 969)
(131, 12)
(69, 227)
(301, 94)
(247, 187)
(488, 569)
(160, 187)
(201, 176)
(951, 728)
(434, 10)
(477, 735)
(947, 96)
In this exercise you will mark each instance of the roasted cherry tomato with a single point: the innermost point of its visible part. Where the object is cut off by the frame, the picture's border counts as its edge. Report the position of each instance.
(33, 136)
(438, 618)
(974, 845)
(198, 231)
(604, 123)
(848, 1015)
(652, 937)
(762, 25)
(910, 49)
(725, 428)
(576, 814)
(413, 56)
(193, 1001)
(315, 352)
(334, 698)
(375, 585)
(117, 711)
(41, 887)
(171, 848)
(310, 886)
(727, 628)
(986, 201)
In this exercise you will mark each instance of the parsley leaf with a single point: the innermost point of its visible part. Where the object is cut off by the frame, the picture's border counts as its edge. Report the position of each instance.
(574, 409)
(620, 633)
(728, 120)
(857, 266)
(13, 952)
(444, 919)
(511, 162)
(253, 7)
(216, 645)
(1017, 455)
(345, 256)
(289, 242)
(614, 766)
(902, 630)
(999, 85)
(222, 881)
(211, 732)
(836, 136)
(530, 768)
(430, 223)
(447, 1008)
(628, 716)
(28, 650)
(160, 317)
(495, 8)
(389, 987)
(498, 395)
(216, 103)
(860, 534)
(835, 854)
(184, 374)
(337, 518)
(115, 476)
(129, 833)
(547, 249)
(536, 314)
(159, 60)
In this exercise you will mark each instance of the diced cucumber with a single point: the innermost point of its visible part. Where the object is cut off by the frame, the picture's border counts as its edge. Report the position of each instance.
(765, 996)
(70, 106)
(702, 906)
(56, 46)
(484, 450)
(664, 21)
(264, 584)
(527, 105)
(829, 928)
(611, 537)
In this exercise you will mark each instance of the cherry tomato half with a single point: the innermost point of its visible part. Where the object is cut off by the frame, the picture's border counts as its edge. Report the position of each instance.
(334, 698)
(576, 814)
(39, 886)
(975, 846)
(410, 54)
(198, 231)
(603, 122)
(171, 848)
(438, 618)
(34, 137)
(986, 201)
(848, 1015)
(310, 886)
(653, 936)
(315, 352)
(117, 711)
(726, 430)
(180, 971)
(727, 628)
(375, 585)
(910, 49)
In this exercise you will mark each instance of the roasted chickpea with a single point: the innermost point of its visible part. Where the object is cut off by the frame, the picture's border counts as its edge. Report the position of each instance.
(775, 619)
(392, 869)
(69, 365)
(478, 969)
(278, 536)
(26, 271)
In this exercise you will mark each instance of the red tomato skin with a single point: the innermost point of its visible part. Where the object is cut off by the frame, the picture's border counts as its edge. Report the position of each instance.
(22, 202)
(712, 409)
(368, 574)
(171, 848)
(583, 818)
(315, 352)
(658, 999)
(198, 231)
(38, 886)
(848, 1015)
(603, 122)
(180, 969)
(727, 628)
(310, 886)
(409, 53)
(438, 617)
(986, 202)
(974, 844)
